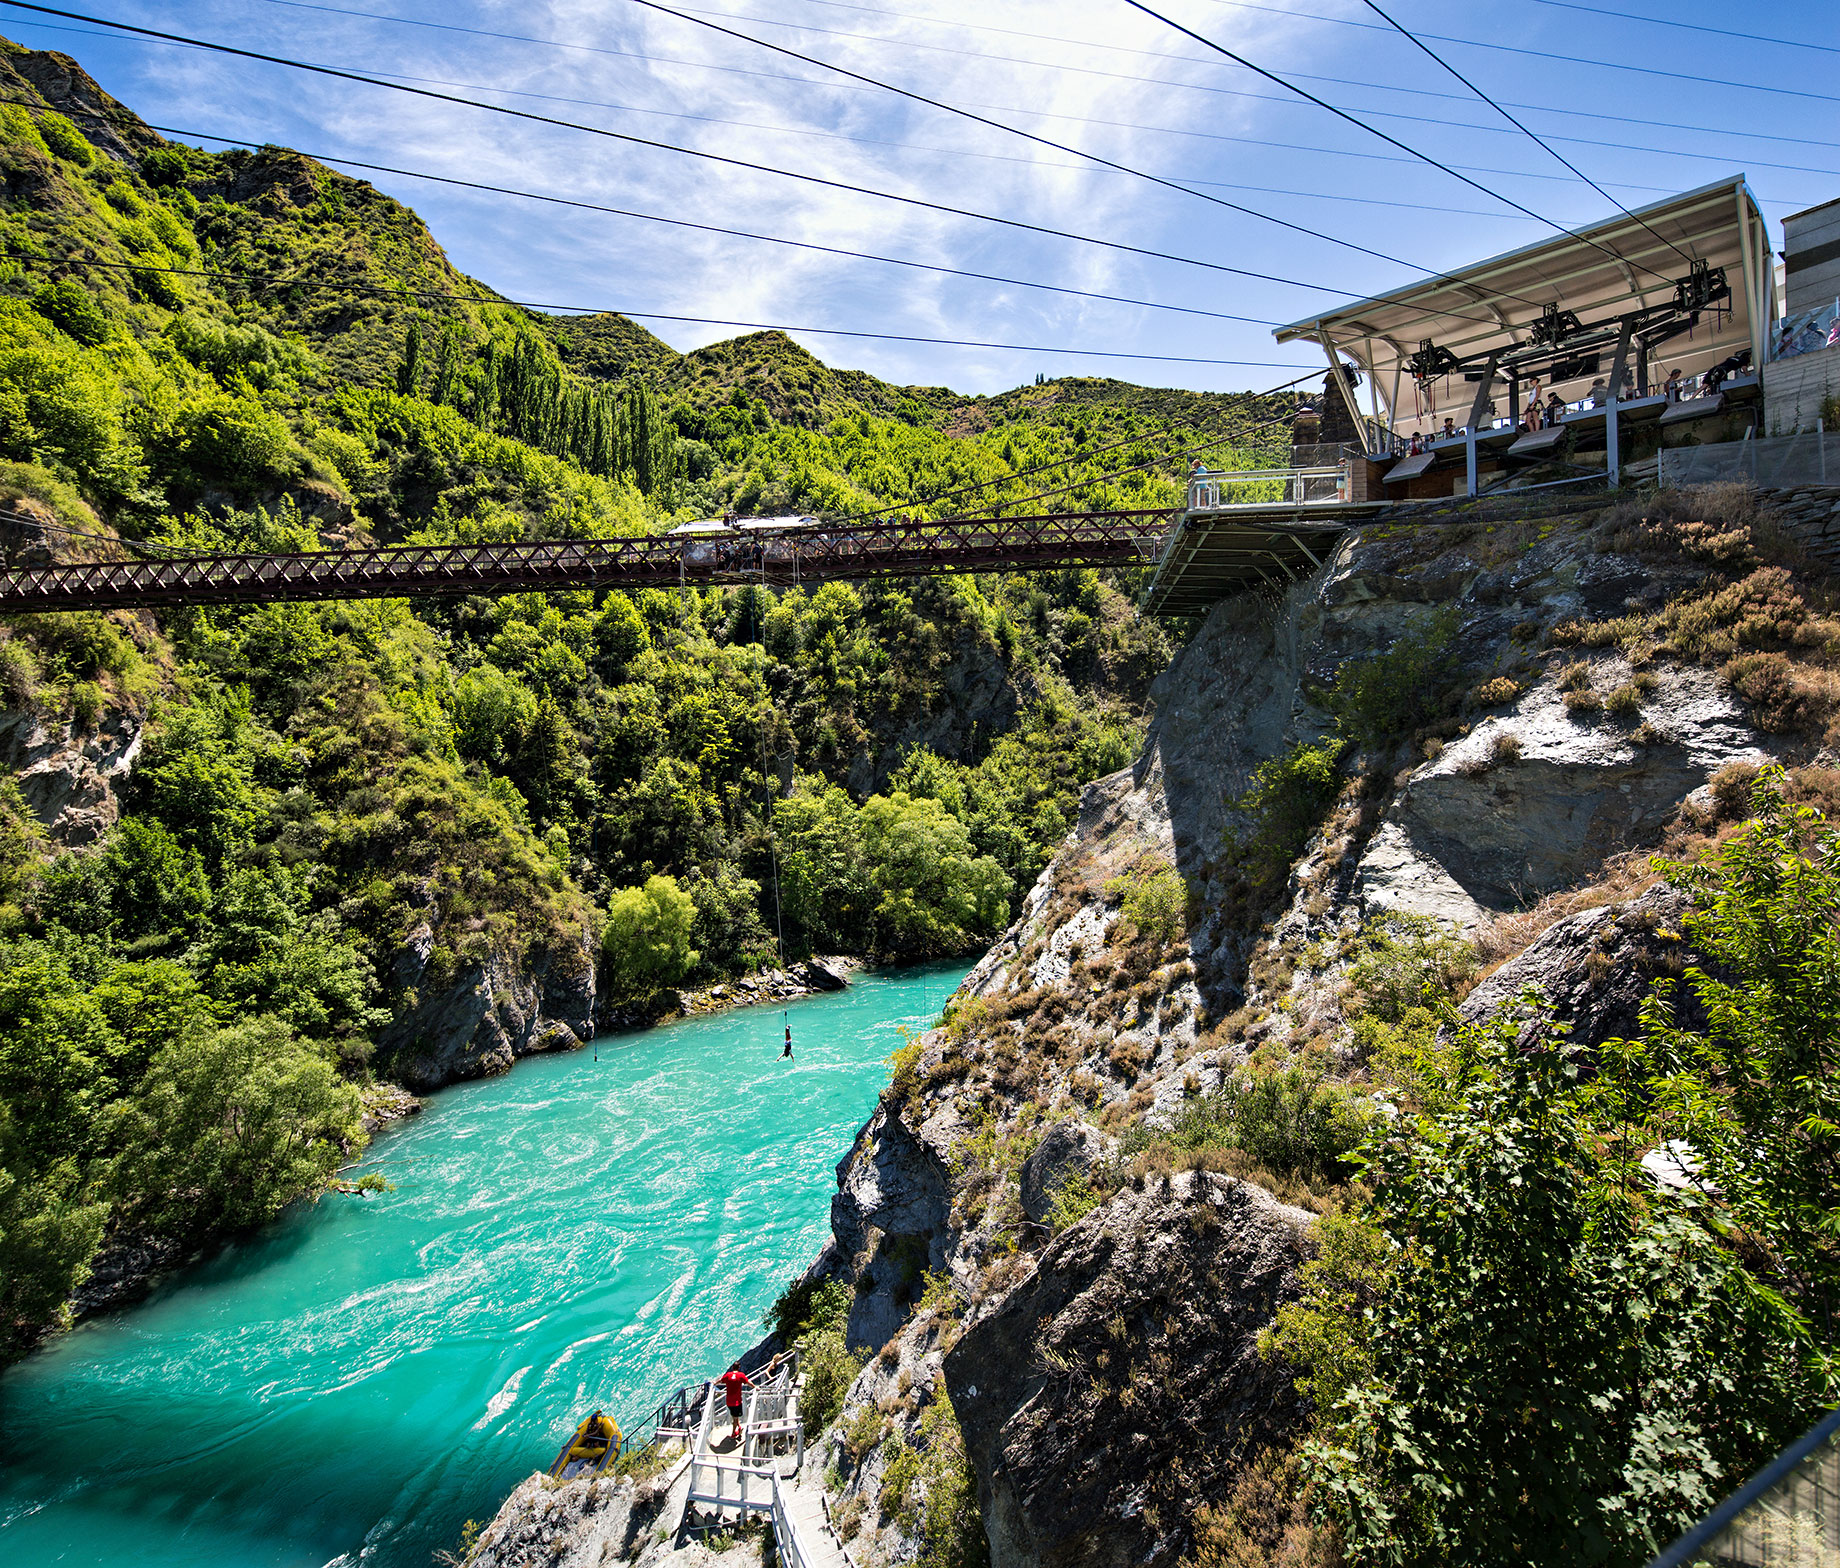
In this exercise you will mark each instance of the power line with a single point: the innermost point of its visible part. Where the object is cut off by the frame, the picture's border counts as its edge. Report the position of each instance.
(1343, 114)
(1078, 152)
(1538, 54)
(1692, 27)
(422, 92)
(1209, 87)
(685, 223)
(1063, 462)
(1206, 87)
(556, 43)
(1162, 130)
(1432, 55)
(448, 295)
(1117, 473)
(961, 152)
(643, 141)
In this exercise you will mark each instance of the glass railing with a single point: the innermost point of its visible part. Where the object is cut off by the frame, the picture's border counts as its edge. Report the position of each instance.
(1805, 332)
(1786, 1516)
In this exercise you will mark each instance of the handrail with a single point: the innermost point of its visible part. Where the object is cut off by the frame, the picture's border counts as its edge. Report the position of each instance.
(787, 1541)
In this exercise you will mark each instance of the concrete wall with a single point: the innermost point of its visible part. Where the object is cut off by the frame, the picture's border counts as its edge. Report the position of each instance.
(1793, 389)
(1812, 265)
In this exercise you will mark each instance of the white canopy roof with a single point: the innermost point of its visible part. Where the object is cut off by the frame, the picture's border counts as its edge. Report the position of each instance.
(1626, 263)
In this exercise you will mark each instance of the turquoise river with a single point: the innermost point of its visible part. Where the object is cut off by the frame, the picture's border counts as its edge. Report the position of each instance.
(359, 1381)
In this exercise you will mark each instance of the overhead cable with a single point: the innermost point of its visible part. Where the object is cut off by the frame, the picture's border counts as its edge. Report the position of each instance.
(684, 223)
(1691, 27)
(643, 141)
(1539, 54)
(1206, 87)
(1343, 114)
(1437, 59)
(1064, 462)
(448, 295)
(1043, 141)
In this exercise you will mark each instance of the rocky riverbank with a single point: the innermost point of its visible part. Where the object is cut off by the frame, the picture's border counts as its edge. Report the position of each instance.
(816, 976)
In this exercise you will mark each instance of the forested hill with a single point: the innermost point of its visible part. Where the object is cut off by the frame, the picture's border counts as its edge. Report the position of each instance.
(257, 862)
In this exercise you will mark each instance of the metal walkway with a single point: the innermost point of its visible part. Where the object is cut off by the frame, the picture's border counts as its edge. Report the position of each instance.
(757, 1473)
(1214, 551)
(816, 553)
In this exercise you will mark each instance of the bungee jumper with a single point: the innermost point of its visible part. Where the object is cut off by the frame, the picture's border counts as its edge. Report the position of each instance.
(786, 1055)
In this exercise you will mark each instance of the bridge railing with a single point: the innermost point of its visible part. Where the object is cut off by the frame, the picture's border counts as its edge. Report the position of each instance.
(842, 551)
(1254, 486)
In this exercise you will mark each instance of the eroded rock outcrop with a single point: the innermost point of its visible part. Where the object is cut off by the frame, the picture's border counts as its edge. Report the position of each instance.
(1121, 1379)
(478, 1020)
(1595, 968)
(888, 1220)
(70, 777)
(1533, 799)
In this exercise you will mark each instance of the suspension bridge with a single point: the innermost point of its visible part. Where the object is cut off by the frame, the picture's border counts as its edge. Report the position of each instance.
(1194, 553)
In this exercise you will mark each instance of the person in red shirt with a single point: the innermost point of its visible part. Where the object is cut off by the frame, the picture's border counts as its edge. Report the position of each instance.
(733, 1381)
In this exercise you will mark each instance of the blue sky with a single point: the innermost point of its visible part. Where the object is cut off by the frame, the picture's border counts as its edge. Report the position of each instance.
(1094, 74)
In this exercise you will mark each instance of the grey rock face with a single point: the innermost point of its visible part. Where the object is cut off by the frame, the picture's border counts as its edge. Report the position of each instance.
(1121, 1380)
(1067, 1150)
(1468, 833)
(70, 779)
(888, 1217)
(491, 1013)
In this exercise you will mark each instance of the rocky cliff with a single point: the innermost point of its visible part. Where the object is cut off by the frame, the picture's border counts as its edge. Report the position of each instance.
(1060, 1264)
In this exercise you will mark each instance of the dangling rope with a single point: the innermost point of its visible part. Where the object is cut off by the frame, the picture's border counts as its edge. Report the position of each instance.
(766, 796)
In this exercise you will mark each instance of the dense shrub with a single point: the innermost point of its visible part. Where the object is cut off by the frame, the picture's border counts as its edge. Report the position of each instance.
(647, 942)
(1378, 699)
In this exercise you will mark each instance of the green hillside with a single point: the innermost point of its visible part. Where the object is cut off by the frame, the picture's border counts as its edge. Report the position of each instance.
(248, 349)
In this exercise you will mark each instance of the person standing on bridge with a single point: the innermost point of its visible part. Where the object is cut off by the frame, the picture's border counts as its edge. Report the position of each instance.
(733, 1381)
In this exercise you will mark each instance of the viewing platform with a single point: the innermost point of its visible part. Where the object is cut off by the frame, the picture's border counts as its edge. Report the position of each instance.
(1564, 361)
(1252, 528)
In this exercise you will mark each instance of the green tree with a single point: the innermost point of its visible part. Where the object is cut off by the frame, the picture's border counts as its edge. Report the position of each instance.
(647, 942)
(231, 1126)
(1565, 1367)
(198, 784)
(49, 1230)
(1756, 1092)
(156, 885)
(935, 895)
(824, 884)
(493, 712)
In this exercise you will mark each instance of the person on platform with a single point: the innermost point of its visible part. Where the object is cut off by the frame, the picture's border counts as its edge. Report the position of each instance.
(1417, 448)
(733, 1381)
(1555, 408)
(1449, 432)
(1672, 385)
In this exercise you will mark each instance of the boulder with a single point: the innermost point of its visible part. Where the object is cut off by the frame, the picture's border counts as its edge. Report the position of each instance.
(1597, 966)
(1067, 1150)
(820, 976)
(1120, 1382)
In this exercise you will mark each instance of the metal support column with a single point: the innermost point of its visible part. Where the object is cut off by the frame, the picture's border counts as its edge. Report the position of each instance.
(1475, 420)
(1341, 382)
(1613, 465)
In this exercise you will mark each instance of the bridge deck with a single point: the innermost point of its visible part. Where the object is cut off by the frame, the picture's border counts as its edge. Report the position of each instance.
(848, 550)
(1216, 551)
(1210, 552)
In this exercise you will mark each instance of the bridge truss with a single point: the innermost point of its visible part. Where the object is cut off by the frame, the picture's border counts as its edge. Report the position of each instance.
(823, 552)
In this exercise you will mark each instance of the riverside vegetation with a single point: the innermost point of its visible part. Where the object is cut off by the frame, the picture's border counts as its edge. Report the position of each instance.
(192, 986)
